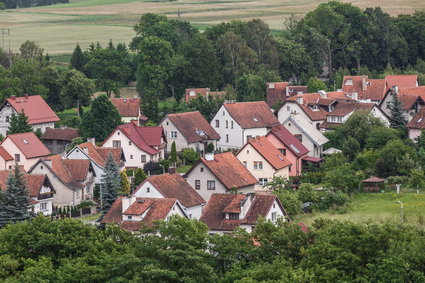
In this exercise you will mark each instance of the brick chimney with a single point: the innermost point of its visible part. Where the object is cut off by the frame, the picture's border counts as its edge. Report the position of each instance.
(364, 85)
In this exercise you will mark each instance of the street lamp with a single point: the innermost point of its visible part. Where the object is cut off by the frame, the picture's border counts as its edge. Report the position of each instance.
(401, 210)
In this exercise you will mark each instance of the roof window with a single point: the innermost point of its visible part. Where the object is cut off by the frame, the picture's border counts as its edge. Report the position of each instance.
(25, 141)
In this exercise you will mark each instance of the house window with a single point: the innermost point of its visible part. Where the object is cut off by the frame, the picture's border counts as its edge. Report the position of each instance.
(173, 134)
(130, 217)
(197, 184)
(318, 126)
(231, 124)
(77, 193)
(17, 157)
(299, 137)
(148, 190)
(167, 123)
(283, 151)
(288, 108)
(217, 123)
(10, 167)
(43, 206)
(223, 113)
(210, 185)
(227, 138)
(258, 165)
(116, 143)
(227, 124)
(273, 216)
(118, 133)
(201, 169)
(131, 156)
(87, 189)
(129, 143)
(245, 163)
(263, 181)
(41, 167)
(143, 159)
(234, 216)
(7, 119)
(274, 205)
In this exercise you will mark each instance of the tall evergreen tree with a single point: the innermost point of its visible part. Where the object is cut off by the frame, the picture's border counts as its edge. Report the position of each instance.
(125, 184)
(111, 184)
(397, 118)
(139, 177)
(15, 201)
(19, 124)
(78, 59)
(173, 155)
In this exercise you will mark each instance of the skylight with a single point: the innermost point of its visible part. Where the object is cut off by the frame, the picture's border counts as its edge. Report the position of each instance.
(420, 120)
(25, 141)
(255, 119)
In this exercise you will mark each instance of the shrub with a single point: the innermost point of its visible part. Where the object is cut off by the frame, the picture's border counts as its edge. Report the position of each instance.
(333, 199)
(153, 168)
(307, 194)
(290, 202)
(189, 155)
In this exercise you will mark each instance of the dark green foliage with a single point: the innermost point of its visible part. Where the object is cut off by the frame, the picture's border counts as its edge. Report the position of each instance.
(173, 155)
(189, 155)
(19, 124)
(100, 119)
(397, 118)
(78, 60)
(394, 158)
(208, 108)
(15, 201)
(111, 184)
(153, 168)
(76, 90)
(139, 177)
(209, 148)
(333, 199)
(290, 201)
(314, 85)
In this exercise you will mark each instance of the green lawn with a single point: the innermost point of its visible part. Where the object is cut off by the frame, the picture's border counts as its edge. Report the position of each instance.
(183, 169)
(379, 207)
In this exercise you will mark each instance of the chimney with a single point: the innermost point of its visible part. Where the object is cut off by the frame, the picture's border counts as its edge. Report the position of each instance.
(300, 100)
(172, 170)
(26, 96)
(209, 156)
(363, 82)
(126, 202)
(394, 89)
(92, 140)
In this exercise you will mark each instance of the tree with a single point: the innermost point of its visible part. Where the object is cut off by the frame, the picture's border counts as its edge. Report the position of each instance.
(125, 184)
(15, 203)
(76, 89)
(19, 124)
(139, 177)
(30, 50)
(75, 141)
(260, 40)
(417, 179)
(100, 119)
(111, 184)
(397, 118)
(250, 87)
(78, 60)
(391, 156)
(209, 148)
(315, 84)
(173, 155)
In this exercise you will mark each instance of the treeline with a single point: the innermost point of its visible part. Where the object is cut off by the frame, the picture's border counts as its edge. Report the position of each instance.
(12, 4)
(181, 250)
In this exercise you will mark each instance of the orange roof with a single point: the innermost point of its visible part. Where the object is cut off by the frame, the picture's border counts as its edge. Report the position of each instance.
(269, 152)
(3, 153)
(401, 81)
(275, 92)
(289, 140)
(255, 114)
(127, 107)
(228, 170)
(114, 214)
(29, 144)
(100, 154)
(407, 101)
(373, 89)
(34, 182)
(418, 121)
(192, 93)
(34, 107)
(414, 91)
(174, 186)
(192, 124)
(345, 108)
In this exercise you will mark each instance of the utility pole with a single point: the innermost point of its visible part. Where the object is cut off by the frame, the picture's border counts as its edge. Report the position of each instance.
(401, 211)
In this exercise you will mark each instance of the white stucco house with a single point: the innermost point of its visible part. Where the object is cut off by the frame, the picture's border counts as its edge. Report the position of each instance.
(416, 125)
(238, 122)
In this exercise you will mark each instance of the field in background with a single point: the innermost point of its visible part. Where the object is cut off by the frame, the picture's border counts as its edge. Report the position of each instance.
(58, 28)
(380, 207)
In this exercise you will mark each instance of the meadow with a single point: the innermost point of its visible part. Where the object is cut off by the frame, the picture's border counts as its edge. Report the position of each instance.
(58, 28)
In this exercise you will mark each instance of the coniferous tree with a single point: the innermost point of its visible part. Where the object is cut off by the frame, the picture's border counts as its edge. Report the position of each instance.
(125, 184)
(111, 184)
(78, 60)
(139, 177)
(19, 124)
(397, 118)
(173, 155)
(15, 201)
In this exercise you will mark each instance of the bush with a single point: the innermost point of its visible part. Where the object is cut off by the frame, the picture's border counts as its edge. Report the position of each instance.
(333, 200)
(312, 177)
(307, 194)
(290, 202)
(153, 168)
(189, 156)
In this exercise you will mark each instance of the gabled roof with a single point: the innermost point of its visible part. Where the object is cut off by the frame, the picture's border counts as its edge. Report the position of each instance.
(418, 121)
(309, 130)
(269, 152)
(193, 126)
(4, 154)
(275, 92)
(408, 101)
(228, 170)
(100, 154)
(29, 144)
(174, 186)
(192, 93)
(252, 114)
(296, 89)
(288, 139)
(34, 182)
(412, 91)
(127, 107)
(401, 81)
(214, 214)
(145, 138)
(34, 107)
(342, 109)
(373, 89)
(63, 134)
(114, 214)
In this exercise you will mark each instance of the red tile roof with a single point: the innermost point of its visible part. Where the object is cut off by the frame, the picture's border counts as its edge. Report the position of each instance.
(100, 154)
(214, 214)
(34, 182)
(375, 89)
(127, 107)
(418, 121)
(4, 154)
(228, 170)
(296, 89)
(408, 101)
(63, 134)
(344, 108)
(191, 123)
(269, 152)
(401, 81)
(174, 186)
(275, 92)
(34, 107)
(314, 115)
(114, 214)
(288, 139)
(373, 180)
(252, 114)
(29, 144)
(413, 91)
(311, 159)
(195, 92)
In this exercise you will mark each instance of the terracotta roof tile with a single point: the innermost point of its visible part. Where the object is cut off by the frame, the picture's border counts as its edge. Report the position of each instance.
(260, 207)
(213, 214)
(373, 180)
(34, 107)
(288, 139)
(314, 115)
(69, 170)
(175, 186)
(192, 93)
(190, 123)
(296, 89)
(413, 91)
(269, 152)
(374, 89)
(127, 107)
(100, 154)
(252, 114)
(345, 108)
(418, 121)
(29, 144)
(114, 214)
(79, 168)
(401, 81)
(34, 182)
(275, 92)
(63, 134)
(4, 154)
(234, 205)
(407, 101)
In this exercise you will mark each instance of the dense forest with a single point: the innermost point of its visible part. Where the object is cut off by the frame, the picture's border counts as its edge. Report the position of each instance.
(12, 4)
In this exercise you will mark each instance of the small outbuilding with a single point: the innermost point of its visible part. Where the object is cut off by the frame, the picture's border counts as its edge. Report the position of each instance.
(373, 184)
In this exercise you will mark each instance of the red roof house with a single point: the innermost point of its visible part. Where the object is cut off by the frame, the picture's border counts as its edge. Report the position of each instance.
(129, 109)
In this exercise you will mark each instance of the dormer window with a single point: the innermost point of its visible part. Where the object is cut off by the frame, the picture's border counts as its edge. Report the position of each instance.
(349, 82)
(234, 216)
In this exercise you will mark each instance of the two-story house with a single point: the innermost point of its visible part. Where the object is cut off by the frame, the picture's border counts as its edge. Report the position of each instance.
(172, 186)
(139, 144)
(412, 99)
(134, 213)
(188, 129)
(416, 125)
(220, 173)
(278, 92)
(226, 212)
(289, 146)
(73, 180)
(25, 149)
(40, 115)
(264, 161)
(236, 123)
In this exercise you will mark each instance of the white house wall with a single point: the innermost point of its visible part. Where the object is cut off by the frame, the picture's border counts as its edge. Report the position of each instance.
(278, 210)
(235, 134)
(313, 151)
(13, 149)
(47, 211)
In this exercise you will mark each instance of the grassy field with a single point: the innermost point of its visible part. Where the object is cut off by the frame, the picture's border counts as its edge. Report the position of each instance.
(58, 28)
(379, 207)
